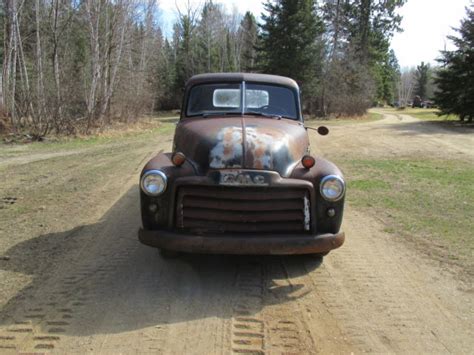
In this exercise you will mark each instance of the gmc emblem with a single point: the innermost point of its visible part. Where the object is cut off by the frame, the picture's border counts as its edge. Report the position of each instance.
(235, 178)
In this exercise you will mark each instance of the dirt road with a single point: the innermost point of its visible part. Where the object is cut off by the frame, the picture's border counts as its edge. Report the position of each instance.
(105, 293)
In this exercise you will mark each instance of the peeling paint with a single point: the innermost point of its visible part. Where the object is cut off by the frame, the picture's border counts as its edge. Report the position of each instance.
(227, 153)
(261, 147)
(242, 143)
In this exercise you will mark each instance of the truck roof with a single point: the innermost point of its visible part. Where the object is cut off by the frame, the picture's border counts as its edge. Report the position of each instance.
(239, 77)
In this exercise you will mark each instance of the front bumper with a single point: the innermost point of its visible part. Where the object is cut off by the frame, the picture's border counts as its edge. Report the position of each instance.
(280, 244)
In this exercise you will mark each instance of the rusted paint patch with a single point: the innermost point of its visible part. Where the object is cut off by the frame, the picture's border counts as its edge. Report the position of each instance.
(264, 146)
(227, 153)
(242, 143)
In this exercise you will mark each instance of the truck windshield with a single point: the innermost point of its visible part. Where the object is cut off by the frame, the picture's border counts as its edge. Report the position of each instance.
(267, 100)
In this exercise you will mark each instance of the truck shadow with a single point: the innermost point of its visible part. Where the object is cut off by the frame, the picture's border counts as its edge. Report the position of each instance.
(98, 279)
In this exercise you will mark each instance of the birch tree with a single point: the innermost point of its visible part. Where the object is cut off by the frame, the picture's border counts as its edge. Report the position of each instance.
(93, 8)
(405, 87)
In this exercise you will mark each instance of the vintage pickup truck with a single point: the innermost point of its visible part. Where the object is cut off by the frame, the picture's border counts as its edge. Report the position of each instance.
(240, 178)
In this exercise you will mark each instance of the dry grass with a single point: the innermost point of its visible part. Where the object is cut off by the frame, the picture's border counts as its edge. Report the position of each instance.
(146, 127)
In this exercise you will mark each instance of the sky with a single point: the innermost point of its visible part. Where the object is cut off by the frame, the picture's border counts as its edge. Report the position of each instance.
(426, 23)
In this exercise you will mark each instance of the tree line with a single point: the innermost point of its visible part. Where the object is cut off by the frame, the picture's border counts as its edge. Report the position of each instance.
(71, 66)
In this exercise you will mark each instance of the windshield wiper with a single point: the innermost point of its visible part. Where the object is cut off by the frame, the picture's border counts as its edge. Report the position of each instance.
(257, 113)
(210, 114)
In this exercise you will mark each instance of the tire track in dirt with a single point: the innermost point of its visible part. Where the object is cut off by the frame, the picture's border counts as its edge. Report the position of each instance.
(108, 307)
(288, 331)
(267, 319)
(42, 323)
(248, 328)
(324, 331)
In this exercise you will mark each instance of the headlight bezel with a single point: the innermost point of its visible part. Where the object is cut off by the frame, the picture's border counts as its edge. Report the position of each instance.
(327, 178)
(154, 172)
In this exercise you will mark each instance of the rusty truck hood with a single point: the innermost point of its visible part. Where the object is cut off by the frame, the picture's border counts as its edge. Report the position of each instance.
(247, 142)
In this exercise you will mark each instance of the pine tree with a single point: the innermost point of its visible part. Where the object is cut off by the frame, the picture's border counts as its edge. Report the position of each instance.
(455, 78)
(290, 43)
(185, 53)
(166, 72)
(248, 38)
(207, 33)
(422, 77)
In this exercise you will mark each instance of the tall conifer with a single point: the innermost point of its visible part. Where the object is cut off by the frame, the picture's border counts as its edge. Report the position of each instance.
(455, 94)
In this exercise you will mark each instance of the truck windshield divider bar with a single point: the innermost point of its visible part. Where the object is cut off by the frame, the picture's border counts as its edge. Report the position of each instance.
(242, 98)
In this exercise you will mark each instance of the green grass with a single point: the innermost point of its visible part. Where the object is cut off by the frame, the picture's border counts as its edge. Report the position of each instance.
(427, 114)
(431, 200)
(374, 116)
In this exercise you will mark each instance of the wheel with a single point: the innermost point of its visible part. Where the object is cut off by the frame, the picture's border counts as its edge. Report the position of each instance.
(168, 254)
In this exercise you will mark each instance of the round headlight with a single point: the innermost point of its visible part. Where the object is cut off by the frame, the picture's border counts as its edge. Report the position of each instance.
(332, 187)
(154, 182)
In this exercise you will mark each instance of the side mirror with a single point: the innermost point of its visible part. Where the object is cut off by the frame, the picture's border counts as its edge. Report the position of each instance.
(323, 130)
